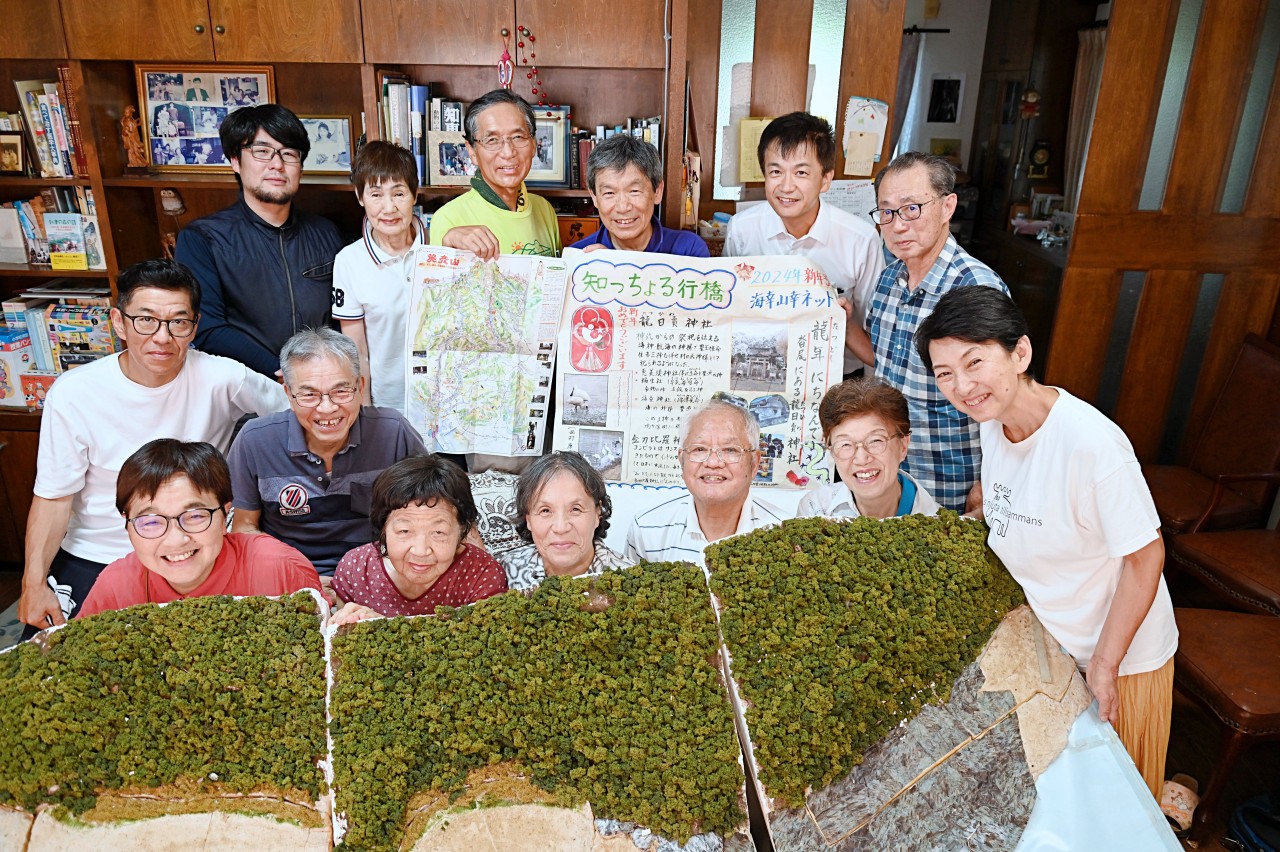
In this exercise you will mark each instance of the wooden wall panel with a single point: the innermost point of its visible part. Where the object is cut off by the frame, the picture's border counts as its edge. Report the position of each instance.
(287, 31)
(780, 70)
(1222, 62)
(31, 29)
(1140, 32)
(408, 31)
(1086, 310)
(674, 109)
(1263, 198)
(1148, 240)
(591, 34)
(1154, 357)
(872, 43)
(704, 71)
(142, 30)
(1247, 300)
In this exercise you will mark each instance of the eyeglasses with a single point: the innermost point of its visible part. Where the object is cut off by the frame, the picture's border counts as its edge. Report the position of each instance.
(728, 455)
(848, 449)
(493, 144)
(190, 521)
(310, 399)
(908, 212)
(148, 325)
(267, 153)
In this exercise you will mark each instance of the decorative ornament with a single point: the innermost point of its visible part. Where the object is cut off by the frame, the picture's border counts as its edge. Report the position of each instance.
(506, 68)
(1030, 104)
(537, 87)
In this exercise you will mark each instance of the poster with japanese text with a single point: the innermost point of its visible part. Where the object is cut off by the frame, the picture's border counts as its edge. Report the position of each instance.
(481, 348)
(647, 338)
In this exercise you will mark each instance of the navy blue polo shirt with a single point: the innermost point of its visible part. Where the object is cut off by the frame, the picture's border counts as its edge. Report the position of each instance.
(662, 240)
(323, 515)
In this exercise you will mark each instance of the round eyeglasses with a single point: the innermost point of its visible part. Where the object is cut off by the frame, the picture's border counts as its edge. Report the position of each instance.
(848, 449)
(728, 455)
(310, 399)
(907, 212)
(149, 325)
(494, 144)
(190, 521)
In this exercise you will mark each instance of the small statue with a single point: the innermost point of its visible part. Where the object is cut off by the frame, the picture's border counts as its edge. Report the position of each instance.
(130, 135)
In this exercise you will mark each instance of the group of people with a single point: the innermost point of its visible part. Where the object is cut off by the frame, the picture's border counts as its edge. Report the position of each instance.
(329, 486)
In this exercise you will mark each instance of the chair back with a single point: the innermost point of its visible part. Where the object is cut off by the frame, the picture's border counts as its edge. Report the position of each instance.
(1243, 432)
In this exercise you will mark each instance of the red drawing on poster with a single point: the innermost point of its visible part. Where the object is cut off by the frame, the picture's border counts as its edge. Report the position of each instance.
(592, 340)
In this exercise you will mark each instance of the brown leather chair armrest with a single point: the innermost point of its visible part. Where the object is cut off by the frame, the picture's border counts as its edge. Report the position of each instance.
(1220, 484)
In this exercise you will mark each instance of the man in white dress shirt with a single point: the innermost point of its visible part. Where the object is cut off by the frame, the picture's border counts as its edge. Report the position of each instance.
(798, 157)
(719, 454)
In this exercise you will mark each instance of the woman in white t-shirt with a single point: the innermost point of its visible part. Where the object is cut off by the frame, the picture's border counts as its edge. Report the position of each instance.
(867, 427)
(1071, 516)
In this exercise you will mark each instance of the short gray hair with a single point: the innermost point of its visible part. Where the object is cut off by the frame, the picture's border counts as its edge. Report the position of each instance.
(942, 174)
(494, 98)
(538, 474)
(622, 150)
(312, 343)
(745, 418)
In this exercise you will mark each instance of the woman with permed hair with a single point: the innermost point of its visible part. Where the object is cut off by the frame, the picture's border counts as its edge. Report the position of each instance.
(562, 510)
(421, 512)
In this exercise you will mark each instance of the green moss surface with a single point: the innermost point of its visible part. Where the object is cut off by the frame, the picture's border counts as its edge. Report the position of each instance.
(616, 703)
(839, 630)
(149, 696)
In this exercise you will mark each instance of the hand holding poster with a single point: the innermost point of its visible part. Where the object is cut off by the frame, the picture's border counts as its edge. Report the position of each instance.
(646, 338)
(481, 344)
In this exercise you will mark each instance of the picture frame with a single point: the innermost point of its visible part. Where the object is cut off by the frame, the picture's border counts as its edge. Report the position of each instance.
(449, 161)
(330, 137)
(13, 153)
(946, 98)
(551, 156)
(182, 107)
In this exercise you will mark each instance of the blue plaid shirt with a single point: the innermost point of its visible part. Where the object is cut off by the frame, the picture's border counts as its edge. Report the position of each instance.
(944, 456)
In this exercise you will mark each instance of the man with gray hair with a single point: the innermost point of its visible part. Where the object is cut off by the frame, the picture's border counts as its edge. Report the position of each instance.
(719, 454)
(624, 177)
(915, 197)
(305, 476)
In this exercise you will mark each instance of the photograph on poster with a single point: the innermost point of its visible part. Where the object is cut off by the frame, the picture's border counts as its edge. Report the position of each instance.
(603, 450)
(586, 399)
(759, 357)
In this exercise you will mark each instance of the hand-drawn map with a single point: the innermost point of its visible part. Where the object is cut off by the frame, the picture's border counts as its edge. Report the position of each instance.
(481, 342)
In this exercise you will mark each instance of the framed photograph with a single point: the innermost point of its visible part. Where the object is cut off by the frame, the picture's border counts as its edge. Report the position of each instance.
(182, 107)
(551, 155)
(13, 156)
(946, 93)
(330, 137)
(448, 160)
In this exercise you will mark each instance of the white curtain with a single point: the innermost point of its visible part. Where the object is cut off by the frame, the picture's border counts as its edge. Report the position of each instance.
(1084, 100)
(907, 64)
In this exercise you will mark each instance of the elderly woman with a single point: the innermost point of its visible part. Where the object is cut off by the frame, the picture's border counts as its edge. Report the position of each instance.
(1070, 515)
(563, 510)
(867, 428)
(421, 512)
(499, 215)
(174, 498)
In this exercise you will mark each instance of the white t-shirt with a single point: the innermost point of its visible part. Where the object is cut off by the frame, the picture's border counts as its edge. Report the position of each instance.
(845, 247)
(371, 285)
(836, 501)
(1065, 506)
(95, 418)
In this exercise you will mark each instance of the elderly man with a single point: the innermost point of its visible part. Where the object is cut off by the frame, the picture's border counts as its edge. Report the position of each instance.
(97, 415)
(624, 176)
(498, 216)
(915, 198)
(719, 454)
(797, 154)
(266, 267)
(306, 476)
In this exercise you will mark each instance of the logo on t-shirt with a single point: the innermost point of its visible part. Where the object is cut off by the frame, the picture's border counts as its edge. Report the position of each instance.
(293, 500)
(999, 513)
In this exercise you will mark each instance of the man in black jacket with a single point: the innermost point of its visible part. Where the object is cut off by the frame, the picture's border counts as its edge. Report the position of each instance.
(266, 268)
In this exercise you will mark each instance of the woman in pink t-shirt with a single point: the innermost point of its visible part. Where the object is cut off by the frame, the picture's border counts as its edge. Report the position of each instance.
(421, 512)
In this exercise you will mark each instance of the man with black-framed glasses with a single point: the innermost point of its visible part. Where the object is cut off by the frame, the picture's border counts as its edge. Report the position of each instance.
(265, 266)
(915, 199)
(97, 415)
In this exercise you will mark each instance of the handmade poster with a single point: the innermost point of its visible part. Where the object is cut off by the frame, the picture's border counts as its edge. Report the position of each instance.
(865, 123)
(857, 197)
(646, 338)
(481, 345)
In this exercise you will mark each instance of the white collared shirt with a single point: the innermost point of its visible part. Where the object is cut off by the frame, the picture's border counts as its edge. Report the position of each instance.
(845, 247)
(669, 532)
(836, 501)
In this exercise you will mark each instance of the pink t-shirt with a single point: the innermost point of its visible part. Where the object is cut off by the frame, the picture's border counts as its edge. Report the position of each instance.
(249, 564)
(362, 578)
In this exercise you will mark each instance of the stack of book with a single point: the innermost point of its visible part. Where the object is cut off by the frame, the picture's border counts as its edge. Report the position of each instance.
(407, 112)
(58, 228)
(64, 323)
(51, 119)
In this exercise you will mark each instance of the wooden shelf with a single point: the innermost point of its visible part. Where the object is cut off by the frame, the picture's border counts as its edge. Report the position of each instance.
(8, 180)
(26, 270)
(14, 419)
(216, 181)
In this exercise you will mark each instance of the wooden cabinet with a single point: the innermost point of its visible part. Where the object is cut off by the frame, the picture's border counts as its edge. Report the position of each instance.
(19, 440)
(207, 30)
(589, 34)
(409, 31)
(31, 29)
